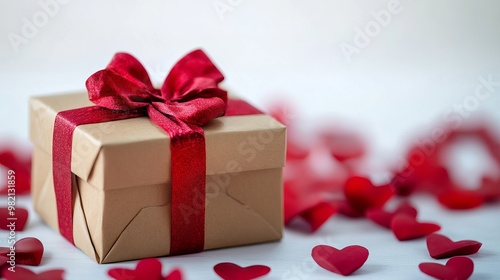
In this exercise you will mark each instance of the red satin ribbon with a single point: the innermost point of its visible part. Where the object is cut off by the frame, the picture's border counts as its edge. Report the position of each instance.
(189, 98)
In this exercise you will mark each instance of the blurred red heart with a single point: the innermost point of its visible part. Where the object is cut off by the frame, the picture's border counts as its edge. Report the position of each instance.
(317, 215)
(343, 262)
(456, 198)
(231, 271)
(406, 227)
(456, 268)
(21, 166)
(3, 261)
(298, 198)
(28, 250)
(19, 217)
(441, 247)
(362, 195)
(384, 218)
(489, 189)
(146, 269)
(22, 273)
(175, 274)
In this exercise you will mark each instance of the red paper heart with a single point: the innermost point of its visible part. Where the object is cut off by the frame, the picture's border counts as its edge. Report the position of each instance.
(456, 268)
(3, 261)
(455, 198)
(362, 194)
(489, 189)
(317, 215)
(28, 251)
(384, 218)
(343, 262)
(146, 269)
(22, 171)
(175, 274)
(344, 208)
(297, 199)
(18, 217)
(406, 227)
(305, 194)
(231, 271)
(441, 247)
(22, 273)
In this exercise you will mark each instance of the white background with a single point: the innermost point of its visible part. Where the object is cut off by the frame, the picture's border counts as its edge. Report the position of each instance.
(428, 58)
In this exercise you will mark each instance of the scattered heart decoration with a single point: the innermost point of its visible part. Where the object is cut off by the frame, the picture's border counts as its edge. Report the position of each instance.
(3, 261)
(489, 189)
(20, 215)
(344, 261)
(460, 199)
(456, 268)
(406, 227)
(22, 273)
(384, 218)
(21, 165)
(231, 271)
(362, 195)
(175, 274)
(441, 247)
(146, 269)
(29, 251)
(317, 215)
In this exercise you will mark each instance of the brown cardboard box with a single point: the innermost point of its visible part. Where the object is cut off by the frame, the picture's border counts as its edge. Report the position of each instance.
(122, 199)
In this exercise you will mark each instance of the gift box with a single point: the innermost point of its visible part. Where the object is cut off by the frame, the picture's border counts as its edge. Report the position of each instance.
(121, 195)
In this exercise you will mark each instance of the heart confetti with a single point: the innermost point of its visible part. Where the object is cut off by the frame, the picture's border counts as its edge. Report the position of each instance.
(426, 169)
(441, 247)
(406, 227)
(362, 195)
(28, 251)
(297, 199)
(22, 273)
(13, 219)
(22, 171)
(3, 261)
(460, 199)
(316, 216)
(231, 271)
(384, 218)
(456, 268)
(489, 189)
(175, 274)
(344, 262)
(146, 269)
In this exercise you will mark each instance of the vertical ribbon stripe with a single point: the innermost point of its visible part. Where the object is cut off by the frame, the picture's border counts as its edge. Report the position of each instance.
(64, 127)
(187, 147)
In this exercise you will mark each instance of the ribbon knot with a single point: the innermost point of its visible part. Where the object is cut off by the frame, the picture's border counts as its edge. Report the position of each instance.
(189, 98)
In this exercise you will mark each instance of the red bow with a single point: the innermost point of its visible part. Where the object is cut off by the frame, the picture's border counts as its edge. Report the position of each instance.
(190, 97)
(189, 93)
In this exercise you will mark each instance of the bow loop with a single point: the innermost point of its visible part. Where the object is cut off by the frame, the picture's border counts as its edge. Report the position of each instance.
(124, 85)
(192, 76)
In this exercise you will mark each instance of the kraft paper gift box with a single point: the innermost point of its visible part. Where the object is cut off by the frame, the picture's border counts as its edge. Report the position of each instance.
(122, 194)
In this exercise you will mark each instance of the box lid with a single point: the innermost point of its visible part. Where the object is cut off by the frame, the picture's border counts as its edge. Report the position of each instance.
(136, 152)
